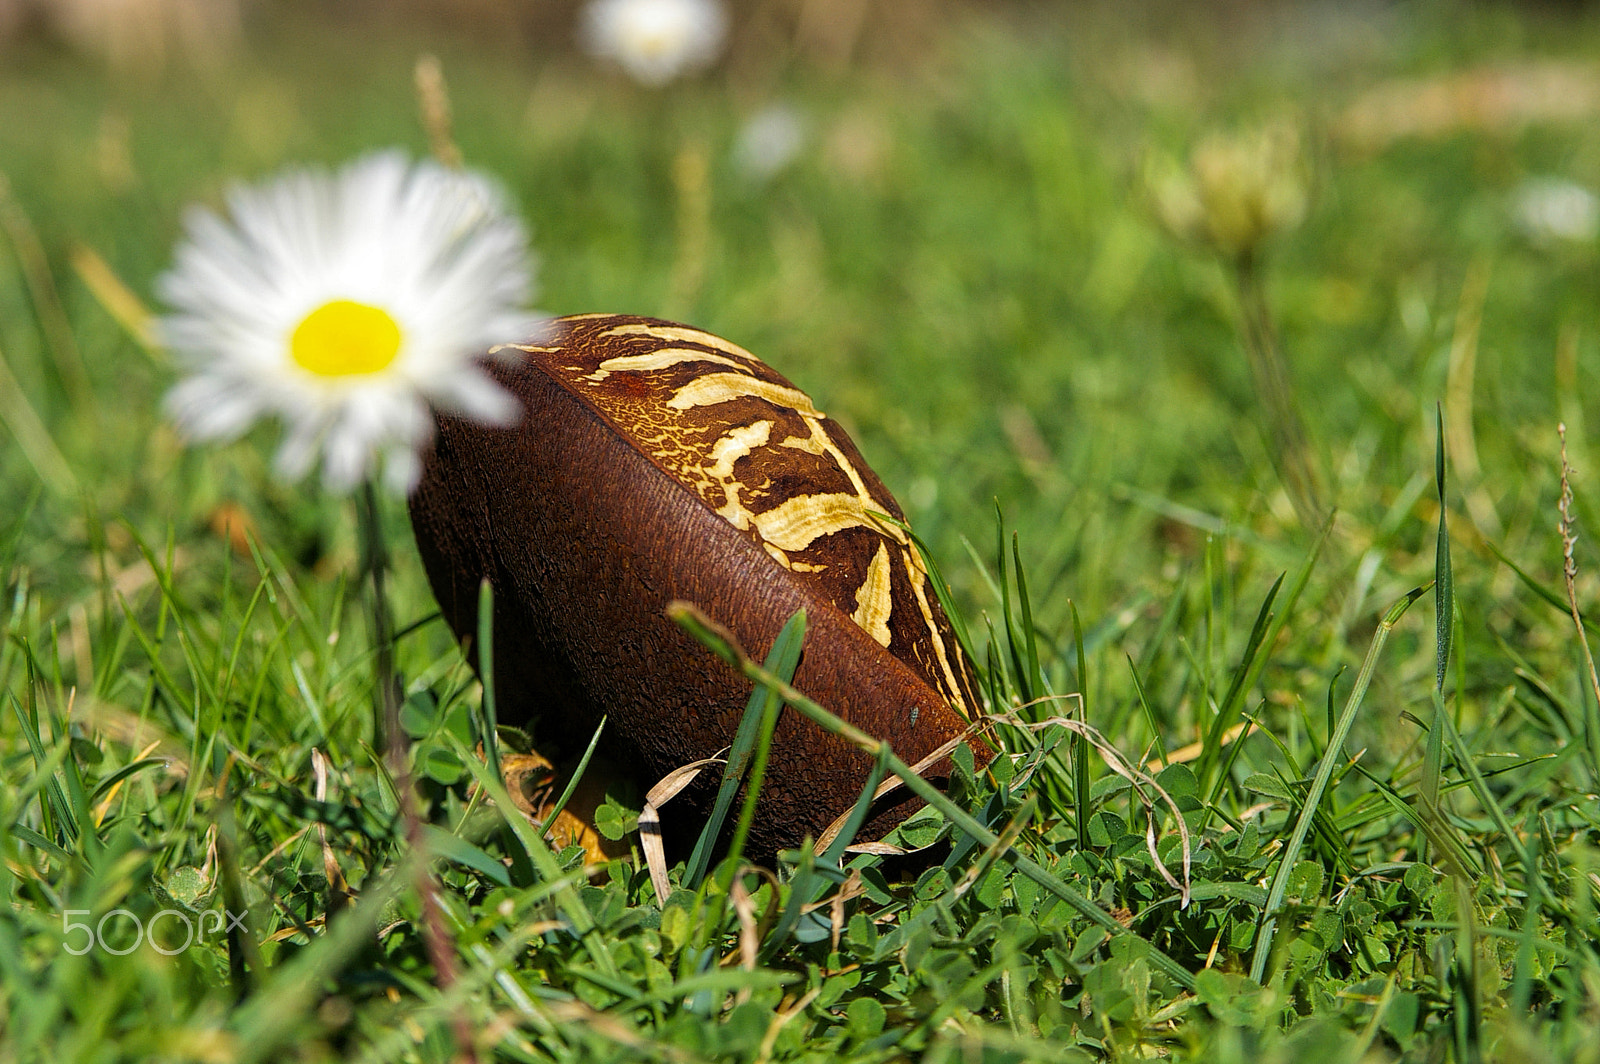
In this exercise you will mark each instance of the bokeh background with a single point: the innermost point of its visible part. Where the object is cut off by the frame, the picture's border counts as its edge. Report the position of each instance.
(937, 217)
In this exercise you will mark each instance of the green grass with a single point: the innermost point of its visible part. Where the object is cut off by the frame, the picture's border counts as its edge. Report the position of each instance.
(964, 268)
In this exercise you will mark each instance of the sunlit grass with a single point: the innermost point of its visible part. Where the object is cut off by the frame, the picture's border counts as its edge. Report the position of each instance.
(964, 266)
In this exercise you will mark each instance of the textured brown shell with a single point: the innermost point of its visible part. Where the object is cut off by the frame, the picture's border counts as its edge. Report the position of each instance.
(658, 462)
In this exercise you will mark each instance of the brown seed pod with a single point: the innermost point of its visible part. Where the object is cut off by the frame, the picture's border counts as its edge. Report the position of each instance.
(657, 462)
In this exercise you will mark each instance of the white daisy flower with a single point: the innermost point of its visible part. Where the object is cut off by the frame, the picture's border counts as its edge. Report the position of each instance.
(345, 304)
(655, 40)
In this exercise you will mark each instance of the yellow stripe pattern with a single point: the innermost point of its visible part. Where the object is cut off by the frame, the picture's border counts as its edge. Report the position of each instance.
(764, 459)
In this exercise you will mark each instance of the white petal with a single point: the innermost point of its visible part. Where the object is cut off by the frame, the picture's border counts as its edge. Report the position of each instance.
(369, 423)
(401, 470)
(212, 408)
(349, 449)
(472, 393)
(346, 456)
(435, 248)
(298, 452)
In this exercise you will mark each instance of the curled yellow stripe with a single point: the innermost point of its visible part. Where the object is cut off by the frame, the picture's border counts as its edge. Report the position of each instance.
(658, 359)
(716, 388)
(794, 523)
(682, 335)
(874, 604)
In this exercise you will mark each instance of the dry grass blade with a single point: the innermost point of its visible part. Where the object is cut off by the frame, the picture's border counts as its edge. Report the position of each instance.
(780, 1020)
(583, 1018)
(118, 300)
(892, 783)
(278, 850)
(1137, 778)
(725, 646)
(667, 788)
(836, 920)
(110, 797)
(744, 908)
(338, 889)
(1569, 564)
(751, 928)
(1192, 751)
(433, 107)
(884, 849)
(851, 889)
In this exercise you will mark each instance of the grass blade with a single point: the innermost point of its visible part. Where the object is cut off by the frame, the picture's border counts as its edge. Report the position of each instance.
(58, 811)
(1443, 577)
(1433, 758)
(760, 716)
(1441, 835)
(1149, 714)
(1080, 744)
(1269, 638)
(567, 898)
(1486, 799)
(1019, 671)
(489, 721)
(25, 834)
(996, 676)
(1554, 598)
(858, 813)
(1319, 783)
(1233, 702)
(1030, 640)
(722, 643)
(577, 774)
(786, 665)
(941, 591)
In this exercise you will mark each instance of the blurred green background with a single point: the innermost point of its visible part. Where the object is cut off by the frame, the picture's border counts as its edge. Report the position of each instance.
(961, 260)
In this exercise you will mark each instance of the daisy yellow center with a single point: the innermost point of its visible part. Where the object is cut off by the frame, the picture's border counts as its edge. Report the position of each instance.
(344, 338)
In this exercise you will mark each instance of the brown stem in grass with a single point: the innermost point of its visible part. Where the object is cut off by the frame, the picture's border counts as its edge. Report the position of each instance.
(1569, 564)
(433, 107)
(436, 937)
(441, 946)
(1288, 443)
(375, 563)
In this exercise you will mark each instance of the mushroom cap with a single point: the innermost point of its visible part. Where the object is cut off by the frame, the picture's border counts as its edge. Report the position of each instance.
(657, 462)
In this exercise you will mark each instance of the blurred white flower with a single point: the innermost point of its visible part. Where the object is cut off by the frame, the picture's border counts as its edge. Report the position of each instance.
(655, 40)
(1551, 210)
(769, 141)
(345, 304)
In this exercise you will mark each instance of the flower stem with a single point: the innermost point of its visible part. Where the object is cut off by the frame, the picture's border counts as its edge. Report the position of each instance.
(692, 181)
(1286, 434)
(436, 936)
(375, 565)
